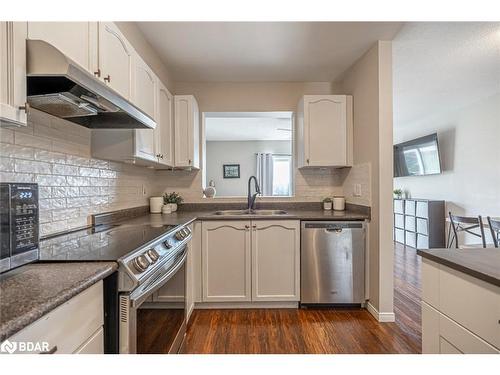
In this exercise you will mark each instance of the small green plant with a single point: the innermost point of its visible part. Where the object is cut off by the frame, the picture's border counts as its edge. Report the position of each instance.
(172, 198)
(398, 193)
(327, 200)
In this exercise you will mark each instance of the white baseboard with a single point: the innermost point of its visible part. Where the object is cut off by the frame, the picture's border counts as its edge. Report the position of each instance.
(246, 305)
(383, 317)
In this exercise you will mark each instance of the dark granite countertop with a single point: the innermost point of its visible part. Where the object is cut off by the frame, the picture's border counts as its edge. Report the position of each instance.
(31, 291)
(483, 264)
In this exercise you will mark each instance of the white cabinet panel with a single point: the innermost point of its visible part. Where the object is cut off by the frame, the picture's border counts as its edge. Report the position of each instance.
(410, 239)
(164, 133)
(399, 221)
(187, 131)
(324, 131)
(226, 261)
(13, 73)
(144, 86)
(77, 40)
(422, 226)
(94, 345)
(115, 58)
(399, 235)
(422, 209)
(275, 260)
(410, 207)
(410, 223)
(399, 206)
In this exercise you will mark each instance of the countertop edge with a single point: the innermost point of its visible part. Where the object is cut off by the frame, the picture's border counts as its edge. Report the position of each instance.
(460, 267)
(23, 321)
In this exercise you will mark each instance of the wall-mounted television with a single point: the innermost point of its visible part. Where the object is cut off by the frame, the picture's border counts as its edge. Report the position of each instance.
(417, 157)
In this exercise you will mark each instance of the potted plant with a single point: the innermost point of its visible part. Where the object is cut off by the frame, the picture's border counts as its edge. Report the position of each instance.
(327, 203)
(398, 193)
(173, 200)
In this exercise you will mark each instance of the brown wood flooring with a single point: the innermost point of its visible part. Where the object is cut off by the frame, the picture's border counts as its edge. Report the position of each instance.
(275, 331)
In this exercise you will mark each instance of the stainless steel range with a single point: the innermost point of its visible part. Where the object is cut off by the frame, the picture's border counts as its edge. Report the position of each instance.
(149, 258)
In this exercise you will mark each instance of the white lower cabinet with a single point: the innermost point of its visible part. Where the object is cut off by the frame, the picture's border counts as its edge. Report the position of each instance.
(74, 327)
(247, 261)
(226, 261)
(275, 260)
(459, 312)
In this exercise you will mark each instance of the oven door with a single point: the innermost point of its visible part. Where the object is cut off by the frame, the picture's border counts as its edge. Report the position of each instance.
(156, 330)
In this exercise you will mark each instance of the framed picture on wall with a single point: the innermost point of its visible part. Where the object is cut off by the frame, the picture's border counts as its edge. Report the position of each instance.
(231, 170)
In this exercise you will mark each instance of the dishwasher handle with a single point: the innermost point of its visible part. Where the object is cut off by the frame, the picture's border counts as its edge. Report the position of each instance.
(333, 226)
(335, 230)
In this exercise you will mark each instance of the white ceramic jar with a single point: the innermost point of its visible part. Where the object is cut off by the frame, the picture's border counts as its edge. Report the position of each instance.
(338, 203)
(155, 205)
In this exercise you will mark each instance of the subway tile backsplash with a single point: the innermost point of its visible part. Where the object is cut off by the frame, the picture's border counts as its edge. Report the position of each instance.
(72, 185)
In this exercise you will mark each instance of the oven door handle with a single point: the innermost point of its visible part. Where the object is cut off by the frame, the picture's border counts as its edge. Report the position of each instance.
(137, 299)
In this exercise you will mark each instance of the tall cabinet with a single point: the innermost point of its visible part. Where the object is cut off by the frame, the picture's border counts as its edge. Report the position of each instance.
(13, 73)
(324, 131)
(419, 223)
(187, 131)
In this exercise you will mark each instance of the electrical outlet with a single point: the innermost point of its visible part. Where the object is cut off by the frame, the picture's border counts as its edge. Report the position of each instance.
(144, 191)
(357, 190)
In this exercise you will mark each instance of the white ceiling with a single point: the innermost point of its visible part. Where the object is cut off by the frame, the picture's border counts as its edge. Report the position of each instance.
(263, 51)
(242, 127)
(443, 66)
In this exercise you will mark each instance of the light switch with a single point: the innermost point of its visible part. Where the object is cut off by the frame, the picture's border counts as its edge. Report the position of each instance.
(357, 190)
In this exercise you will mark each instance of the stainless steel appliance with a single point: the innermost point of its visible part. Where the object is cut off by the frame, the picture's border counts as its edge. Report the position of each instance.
(332, 262)
(149, 257)
(19, 224)
(60, 87)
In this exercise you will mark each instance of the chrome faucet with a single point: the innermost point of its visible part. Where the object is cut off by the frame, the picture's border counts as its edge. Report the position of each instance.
(252, 197)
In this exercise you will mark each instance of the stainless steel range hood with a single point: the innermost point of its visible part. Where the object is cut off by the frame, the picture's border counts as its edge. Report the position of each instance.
(60, 87)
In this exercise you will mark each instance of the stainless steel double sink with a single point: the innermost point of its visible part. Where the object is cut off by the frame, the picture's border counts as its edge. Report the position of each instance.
(250, 212)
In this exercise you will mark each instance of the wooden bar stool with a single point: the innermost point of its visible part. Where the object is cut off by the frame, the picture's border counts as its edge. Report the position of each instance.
(465, 224)
(495, 230)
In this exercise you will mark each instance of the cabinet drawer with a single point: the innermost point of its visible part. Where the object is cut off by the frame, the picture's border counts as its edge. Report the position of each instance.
(422, 226)
(470, 302)
(422, 209)
(410, 239)
(410, 207)
(94, 345)
(69, 325)
(399, 221)
(399, 206)
(422, 241)
(410, 223)
(399, 235)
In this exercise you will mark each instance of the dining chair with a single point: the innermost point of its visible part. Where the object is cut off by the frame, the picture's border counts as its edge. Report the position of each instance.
(467, 224)
(495, 230)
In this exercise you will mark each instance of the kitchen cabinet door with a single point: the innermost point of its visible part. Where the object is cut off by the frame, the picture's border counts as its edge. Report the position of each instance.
(187, 131)
(143, 95)
(325, 131)
(13, 73)
(115, 58)
(77, 40)
(275, 260)
(226, 261)
(164, 134)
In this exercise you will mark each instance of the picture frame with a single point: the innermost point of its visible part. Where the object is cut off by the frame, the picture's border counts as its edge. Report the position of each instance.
(231, 170)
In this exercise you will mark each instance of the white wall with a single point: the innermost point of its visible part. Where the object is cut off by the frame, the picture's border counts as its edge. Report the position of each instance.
(470, 157)
(242, 153)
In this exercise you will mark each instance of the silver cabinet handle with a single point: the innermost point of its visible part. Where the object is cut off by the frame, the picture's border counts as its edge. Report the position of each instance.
(50, 351)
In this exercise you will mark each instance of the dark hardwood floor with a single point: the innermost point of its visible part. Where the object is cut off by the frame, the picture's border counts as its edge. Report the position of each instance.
(263, 331)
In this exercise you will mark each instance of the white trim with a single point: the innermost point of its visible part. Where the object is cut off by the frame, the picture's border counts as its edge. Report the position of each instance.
(382, 317)
(246, 305)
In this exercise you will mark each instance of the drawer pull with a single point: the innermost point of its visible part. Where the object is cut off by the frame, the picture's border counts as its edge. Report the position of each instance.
(50, 351)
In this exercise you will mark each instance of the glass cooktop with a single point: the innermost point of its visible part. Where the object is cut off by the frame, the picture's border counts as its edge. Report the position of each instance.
(99, 243)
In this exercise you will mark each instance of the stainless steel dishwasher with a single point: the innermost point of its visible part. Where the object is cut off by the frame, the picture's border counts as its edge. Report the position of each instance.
(332, 262)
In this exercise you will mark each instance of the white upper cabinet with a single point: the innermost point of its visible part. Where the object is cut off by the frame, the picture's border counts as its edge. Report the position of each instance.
(275, 260)
(77, 40)
(144, 86)
(164, 134)
(13, 73)
(115, 58)
(187, 131)
(324, 131)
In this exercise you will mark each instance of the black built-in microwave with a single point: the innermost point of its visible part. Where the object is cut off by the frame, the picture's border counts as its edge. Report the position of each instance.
(19, 224)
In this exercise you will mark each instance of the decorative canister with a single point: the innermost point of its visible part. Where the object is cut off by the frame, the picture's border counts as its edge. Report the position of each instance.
(166, 209)
(338, 203)
(155, 205)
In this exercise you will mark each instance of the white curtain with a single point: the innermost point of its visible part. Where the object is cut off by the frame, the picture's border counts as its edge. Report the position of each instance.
(265, 173)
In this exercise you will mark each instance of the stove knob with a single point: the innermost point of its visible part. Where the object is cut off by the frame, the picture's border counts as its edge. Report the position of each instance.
(153, 254)
(168, 244)
(179, 236)
(141, 263)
